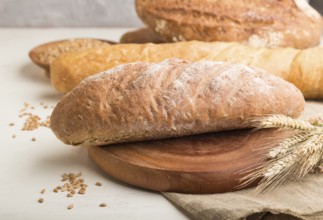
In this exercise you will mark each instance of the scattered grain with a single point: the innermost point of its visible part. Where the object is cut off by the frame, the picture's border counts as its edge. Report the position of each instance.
(33, 139)
(32, 121)
(40, 200)
(72, 185)
(13, 136)
(12, 124)
(70, 206)
(103, 205)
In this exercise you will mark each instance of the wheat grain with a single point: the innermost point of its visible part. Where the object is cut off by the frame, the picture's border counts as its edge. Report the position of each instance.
(103, 205)
(98, 184)
(70, 206)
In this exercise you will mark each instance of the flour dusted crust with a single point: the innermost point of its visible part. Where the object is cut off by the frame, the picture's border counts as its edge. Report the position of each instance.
(144, 101)
(275, 23)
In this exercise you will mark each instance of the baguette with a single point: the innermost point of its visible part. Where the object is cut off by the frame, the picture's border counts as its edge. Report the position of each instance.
(141, 101)
(275, 23)
(304, 68)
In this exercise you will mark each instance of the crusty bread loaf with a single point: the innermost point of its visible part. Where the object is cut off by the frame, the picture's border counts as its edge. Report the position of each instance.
(142, 101)
(275, 23)
(141, 36)
(44, 54)
(304, 68)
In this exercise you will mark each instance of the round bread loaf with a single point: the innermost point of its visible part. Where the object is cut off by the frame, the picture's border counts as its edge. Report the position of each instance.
(275, 23)
(145, 101)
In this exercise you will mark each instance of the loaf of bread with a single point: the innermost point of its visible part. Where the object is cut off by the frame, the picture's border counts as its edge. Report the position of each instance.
(275, 23)
(141, 36)
(142, 101)
(43, 55)
(304, 68)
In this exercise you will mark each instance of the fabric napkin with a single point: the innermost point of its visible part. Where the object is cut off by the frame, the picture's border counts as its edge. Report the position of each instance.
(294, 200)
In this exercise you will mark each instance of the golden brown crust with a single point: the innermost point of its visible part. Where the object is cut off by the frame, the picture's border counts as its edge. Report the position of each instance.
(301, 67)
(142, 101)
(141, 36)
(307, 69)
(276, 23)
(44, 54)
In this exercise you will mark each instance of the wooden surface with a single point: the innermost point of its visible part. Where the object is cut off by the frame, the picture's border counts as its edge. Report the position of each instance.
(207, 163)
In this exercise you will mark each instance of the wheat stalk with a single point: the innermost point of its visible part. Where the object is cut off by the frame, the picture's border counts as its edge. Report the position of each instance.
(281, 121)
(294, 157)
(288, 143)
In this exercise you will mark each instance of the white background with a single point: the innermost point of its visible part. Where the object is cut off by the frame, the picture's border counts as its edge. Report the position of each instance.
(68, 13)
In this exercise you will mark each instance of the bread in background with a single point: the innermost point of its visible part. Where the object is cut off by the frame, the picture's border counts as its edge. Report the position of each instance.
(304, 68)
(141, 36)
(275, 23)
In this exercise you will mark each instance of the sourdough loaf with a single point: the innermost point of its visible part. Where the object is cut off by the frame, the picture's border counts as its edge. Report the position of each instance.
(287, 23)
(145, 101)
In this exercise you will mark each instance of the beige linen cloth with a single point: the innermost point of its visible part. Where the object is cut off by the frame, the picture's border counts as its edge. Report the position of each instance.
(293, 200)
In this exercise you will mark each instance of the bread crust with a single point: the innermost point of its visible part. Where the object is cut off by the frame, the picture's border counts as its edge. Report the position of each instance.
(275, 23)
(301, 67)
(145, 101)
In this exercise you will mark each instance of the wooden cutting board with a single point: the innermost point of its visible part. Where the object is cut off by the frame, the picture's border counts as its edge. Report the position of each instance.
(207, 163)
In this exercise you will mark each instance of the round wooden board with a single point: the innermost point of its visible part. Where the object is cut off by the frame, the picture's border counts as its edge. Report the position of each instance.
(207, 163)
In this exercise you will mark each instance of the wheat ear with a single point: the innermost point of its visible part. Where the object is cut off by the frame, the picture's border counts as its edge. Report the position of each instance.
(288, 143)
(281, 121)
(293, 165)
(294, 157)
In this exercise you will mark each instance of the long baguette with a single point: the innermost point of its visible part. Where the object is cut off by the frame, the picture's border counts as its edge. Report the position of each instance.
(142, 101)
(304, 68)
